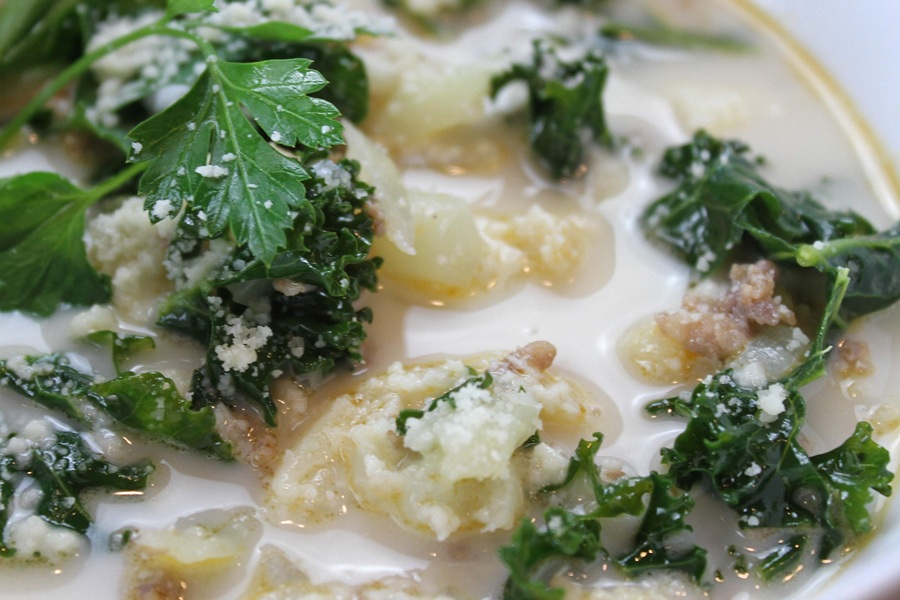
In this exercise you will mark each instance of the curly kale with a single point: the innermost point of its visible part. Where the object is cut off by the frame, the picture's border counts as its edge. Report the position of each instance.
(63, 468)
(722, 205)
(744, 442)
(308, 320)
(565, 107)
(571, 537)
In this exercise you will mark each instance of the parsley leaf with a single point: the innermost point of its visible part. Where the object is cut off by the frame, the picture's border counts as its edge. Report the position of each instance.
(180, 7)
(43, 260)
(204, 151)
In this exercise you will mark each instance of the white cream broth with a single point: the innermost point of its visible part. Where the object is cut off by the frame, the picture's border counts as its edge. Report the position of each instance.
(757, 97)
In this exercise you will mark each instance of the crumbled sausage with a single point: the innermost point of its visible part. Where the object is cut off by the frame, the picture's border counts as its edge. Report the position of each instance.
(719, 326)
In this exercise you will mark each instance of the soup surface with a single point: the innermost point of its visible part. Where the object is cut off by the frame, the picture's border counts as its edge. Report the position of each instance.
(492, 265)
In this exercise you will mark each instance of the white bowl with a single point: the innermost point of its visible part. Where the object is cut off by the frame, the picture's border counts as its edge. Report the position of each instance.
(857, 44)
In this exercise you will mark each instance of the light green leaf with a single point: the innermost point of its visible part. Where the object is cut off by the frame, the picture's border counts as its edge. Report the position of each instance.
(275, 31)
(180, 7)
(43, 260)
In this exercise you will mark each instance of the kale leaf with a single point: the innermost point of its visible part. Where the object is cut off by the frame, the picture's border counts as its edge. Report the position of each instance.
(148, 403)
(744, 443)
(67, 469)
(723, 204)
(64, 470)
(872, 263)
(721, 200)
(565, 107)
(483, 381)
(759, 468)
(122, 347)
(7, 492)
(569, 534)
(566, 536)
(661, 34)
(309, 330)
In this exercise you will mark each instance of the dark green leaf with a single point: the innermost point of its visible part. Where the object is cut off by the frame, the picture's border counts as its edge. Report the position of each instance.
(662, 34)
(7, 492)
(722, 200)
(327, 259)
(565, 107)
(852, 470)
(566, 536)
(483, 381)
(69, 468)
(761, 470)
(873, 266)
(784, 557)
(35, 32)
(664, 518)
(274, 31)
(148, 403)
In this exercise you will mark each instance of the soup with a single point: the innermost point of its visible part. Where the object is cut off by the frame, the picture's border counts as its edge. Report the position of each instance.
(513, 317)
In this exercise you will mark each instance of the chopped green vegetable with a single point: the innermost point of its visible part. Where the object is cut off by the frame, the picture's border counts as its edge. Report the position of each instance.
(240, 158)
(35, 32)
(148, 403)
(43, 260)
(7, 492)
(743, 442)
(722, 204)
(69, 468)
(204, 151)
(309, 331)
(63, 470)
(567, 534)
(661, 34)
(565, 107)
(483, 381)
(872, 263)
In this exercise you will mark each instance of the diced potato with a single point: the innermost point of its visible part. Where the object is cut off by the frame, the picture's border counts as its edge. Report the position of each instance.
(277, 578)
(717, 110)
(427, 97)
(450, 254)
(197, 551)
(456, 470)
(378, 170)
